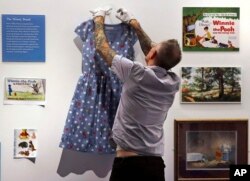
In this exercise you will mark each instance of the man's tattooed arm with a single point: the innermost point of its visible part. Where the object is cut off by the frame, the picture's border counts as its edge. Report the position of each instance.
(101, 42)
(145, 42)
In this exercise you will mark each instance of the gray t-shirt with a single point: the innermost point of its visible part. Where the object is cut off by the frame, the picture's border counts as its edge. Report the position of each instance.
(147, 94)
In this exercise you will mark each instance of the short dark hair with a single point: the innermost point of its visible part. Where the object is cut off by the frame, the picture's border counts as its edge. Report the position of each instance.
(169, 54)
(206, 28)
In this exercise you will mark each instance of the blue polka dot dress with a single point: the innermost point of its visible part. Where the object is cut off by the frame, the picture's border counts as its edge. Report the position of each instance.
(97, 94)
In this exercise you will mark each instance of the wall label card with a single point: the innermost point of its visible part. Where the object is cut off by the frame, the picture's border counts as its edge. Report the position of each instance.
(25, 143)
(211, 29)
(30, 91)
(23, 38)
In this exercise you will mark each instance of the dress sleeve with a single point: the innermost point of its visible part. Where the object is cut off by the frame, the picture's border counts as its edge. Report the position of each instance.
(83, 29)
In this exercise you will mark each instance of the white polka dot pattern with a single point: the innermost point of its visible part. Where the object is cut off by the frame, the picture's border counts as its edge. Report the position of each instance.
(93, 107)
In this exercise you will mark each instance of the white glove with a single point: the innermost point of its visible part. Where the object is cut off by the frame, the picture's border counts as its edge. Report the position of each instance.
(123, 15)
(101, 11)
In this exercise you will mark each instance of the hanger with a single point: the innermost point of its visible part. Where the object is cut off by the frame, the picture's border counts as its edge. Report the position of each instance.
(111, 19)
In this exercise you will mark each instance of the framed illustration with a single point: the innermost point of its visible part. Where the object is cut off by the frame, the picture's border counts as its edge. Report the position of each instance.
(29, 91)
(25, 143)
(211, 28)
(210, 85)
(205, 149)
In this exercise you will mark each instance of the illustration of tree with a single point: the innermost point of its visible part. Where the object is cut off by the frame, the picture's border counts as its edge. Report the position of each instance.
(186, 72)
(209, 79)
(199, 79)
(204, 79)
(232, 78)
(211, 83)
(190, 19)
(219, 75)
(186, 75)
(227, 77)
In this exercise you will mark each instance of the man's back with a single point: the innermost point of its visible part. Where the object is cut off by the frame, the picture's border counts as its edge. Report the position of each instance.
(148, 93)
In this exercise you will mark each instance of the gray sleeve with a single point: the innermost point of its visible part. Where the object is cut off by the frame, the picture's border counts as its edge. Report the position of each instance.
(122, 66)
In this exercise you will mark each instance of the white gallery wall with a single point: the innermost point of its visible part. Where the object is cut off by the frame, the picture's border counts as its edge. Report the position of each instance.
(161, 19)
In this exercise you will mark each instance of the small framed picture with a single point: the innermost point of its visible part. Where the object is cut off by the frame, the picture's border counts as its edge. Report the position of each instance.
(205, 149)
(211, 85)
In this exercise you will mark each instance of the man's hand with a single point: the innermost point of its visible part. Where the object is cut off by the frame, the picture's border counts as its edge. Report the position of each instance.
(101, 12)
(123, 15)
(145, 42)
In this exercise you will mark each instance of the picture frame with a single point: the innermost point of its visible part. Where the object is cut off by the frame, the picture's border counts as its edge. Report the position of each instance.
(201, 85)
(204, 148)
(211, 29)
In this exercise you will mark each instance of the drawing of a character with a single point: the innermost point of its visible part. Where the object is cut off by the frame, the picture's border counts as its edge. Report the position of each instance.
(33, 135)
(24, 153)
(218, 154)
(10, 89)
(23, 144)
(36, 88)
(230, 44)
(31, 146)
(207, 36)
(24, 134)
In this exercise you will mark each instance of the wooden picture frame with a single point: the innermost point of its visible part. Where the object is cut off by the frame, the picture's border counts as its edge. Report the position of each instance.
(205, 148)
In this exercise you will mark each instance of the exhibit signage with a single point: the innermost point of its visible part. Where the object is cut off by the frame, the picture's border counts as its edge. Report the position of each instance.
(211, 29)
(29, 91)
(25, 143)
(23, 38)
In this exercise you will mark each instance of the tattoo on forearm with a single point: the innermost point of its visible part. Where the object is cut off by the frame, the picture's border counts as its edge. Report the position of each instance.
(102, 45)
(145, 42)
